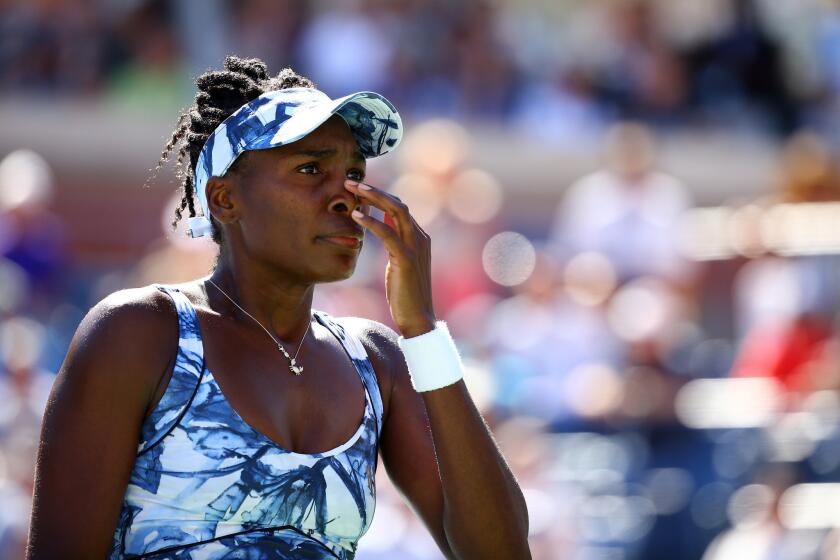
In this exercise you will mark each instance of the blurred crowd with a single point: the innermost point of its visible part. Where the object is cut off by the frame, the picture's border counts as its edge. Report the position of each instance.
(664, 378)
(553, 68)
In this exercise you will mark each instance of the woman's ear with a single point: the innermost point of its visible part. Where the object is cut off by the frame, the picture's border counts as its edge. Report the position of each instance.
(221, 200)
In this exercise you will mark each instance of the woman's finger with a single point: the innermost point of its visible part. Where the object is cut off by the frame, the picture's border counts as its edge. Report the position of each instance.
(392, 241)
(388, 203)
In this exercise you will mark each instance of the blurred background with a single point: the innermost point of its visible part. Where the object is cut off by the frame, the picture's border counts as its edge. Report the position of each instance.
(636, 210)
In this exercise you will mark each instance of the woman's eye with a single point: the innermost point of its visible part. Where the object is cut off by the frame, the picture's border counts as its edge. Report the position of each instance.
(356, 175)
(308, 169)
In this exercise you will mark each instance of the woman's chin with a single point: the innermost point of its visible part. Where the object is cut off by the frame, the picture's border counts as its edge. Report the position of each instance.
(342, 272)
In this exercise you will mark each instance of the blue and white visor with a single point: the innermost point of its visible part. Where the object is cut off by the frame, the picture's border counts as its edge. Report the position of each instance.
(280, 117)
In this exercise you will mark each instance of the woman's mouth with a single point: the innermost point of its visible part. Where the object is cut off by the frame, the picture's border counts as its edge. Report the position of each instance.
(351, 242)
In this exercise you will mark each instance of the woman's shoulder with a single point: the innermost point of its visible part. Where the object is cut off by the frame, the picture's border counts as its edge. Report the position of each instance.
(137, 324)
(146, 310)
(379, 340)
(120, 352)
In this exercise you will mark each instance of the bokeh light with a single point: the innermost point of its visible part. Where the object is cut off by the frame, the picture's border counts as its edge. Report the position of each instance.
(21, 342)
(421, 193)
(594, 389)
(25, 180)
(508, 258)
(751, 505)
(708, 506)
(641, 309)
(14, 287)
(436, 147)
(718, 403)
(589, 278)
(669, 489)
(810, 506)
(474, 196)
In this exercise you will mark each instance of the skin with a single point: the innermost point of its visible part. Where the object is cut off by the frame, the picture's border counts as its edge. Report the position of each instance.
(435, 445)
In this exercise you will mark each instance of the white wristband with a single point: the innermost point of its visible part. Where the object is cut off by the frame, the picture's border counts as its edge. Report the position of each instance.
(432, 358)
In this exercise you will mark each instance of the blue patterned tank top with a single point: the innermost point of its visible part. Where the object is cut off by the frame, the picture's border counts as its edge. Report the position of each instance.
(207, 485)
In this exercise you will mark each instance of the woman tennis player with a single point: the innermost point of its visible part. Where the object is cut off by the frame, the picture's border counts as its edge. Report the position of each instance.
(224, 417)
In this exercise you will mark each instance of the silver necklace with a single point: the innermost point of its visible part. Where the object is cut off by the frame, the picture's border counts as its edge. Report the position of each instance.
(293, 367)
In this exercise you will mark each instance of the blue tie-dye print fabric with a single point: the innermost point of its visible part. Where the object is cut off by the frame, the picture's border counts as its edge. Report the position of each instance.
(207, 486)
(281, 117)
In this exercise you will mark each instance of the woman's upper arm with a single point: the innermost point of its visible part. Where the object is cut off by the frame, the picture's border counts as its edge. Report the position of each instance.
(406, 443)
(92, 421)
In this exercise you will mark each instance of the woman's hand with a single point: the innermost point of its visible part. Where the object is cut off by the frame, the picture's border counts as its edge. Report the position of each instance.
(408, 281)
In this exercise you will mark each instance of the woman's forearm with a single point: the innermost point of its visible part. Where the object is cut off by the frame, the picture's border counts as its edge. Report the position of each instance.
(485, 515)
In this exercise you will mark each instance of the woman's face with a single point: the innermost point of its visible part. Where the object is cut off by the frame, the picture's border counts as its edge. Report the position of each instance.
(292, 210)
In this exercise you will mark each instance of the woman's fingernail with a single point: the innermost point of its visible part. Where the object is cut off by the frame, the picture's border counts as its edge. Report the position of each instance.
(358, 215)
(364, 187)
(351, 183)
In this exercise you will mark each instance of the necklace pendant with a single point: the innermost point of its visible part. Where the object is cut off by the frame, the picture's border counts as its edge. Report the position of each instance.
(293, 367)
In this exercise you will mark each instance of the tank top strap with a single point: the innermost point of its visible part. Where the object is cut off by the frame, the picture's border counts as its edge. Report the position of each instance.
(358, 355)
(186, 374)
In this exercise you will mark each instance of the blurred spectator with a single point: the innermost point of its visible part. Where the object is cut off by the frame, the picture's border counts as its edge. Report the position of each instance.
(627, 211)
(347, 50)
(643, 77)
(738, 76)
(809, 173)
(31, 235)
(757, 532)
(269, 29)
(659, 62)
(788, 313)
(485, 75)
(151, 77)
(788, 306)
(561, 363)
(52, 47)
(24, 388)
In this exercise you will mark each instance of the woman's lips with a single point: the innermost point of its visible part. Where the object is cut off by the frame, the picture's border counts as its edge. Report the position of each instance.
(351, 242)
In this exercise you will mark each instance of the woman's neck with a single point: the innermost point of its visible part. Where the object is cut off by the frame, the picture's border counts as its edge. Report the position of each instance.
(283, 307)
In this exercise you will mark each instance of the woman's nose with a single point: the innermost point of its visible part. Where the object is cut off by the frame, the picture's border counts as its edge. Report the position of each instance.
(343, 201)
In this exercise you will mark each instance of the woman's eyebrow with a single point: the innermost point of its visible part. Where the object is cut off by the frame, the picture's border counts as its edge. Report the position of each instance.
(325, 153)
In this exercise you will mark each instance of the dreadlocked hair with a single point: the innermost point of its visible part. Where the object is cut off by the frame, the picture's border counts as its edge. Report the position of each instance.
(219, 94)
